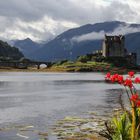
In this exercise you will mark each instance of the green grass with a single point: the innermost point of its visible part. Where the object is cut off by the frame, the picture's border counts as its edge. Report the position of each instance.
(79, 66)
(89, 66)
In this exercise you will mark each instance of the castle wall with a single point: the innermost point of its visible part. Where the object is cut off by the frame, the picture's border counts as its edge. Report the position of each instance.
(104, 50)
(113, 46)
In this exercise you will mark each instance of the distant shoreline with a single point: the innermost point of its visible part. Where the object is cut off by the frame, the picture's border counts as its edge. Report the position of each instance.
(71, 69)
(69, 66)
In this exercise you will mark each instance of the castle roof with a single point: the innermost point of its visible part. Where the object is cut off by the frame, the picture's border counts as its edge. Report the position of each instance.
(114, 38)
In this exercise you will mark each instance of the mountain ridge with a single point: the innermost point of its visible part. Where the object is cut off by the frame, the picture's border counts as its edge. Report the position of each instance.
(62, 47)
(26, 46)
(80, 41)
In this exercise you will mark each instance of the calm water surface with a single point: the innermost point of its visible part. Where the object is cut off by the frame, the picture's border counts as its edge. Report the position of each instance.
(40, 99)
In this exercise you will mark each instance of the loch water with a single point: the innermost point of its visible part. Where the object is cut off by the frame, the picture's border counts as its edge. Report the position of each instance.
(39, 100)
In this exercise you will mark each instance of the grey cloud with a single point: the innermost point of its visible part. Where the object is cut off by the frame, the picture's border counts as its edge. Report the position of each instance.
(118, 11)
(28, 11)
(6, 23)
(23, 10)
(36, 9)
(63, 10)
(35, 31)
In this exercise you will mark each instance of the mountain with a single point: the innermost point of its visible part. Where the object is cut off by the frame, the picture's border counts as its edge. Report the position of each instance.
(133, 44)
(86, 39)
(8, 52)
(26, 46)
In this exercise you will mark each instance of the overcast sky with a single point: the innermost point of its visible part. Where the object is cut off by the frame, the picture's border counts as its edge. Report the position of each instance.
(42, 19)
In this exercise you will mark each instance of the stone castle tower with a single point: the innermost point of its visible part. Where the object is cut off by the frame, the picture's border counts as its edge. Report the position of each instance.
(114, 46)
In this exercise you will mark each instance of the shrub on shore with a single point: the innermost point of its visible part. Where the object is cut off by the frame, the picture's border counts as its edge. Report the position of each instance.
(127, 125)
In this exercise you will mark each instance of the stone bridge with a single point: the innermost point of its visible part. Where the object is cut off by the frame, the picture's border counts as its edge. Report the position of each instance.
(19, 64)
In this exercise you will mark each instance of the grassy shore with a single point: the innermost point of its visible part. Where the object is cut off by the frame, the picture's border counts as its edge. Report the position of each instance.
(89, 66)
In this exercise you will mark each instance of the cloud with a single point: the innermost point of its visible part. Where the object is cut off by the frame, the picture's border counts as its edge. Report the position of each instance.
(36, 30)
(42, 19)
(121, 30)
(89, 36)
(125, 30)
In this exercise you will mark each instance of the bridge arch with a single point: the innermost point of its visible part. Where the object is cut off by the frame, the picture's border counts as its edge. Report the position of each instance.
(42, 65)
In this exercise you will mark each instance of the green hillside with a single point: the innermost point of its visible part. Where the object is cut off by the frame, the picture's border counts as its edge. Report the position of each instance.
(9, 53)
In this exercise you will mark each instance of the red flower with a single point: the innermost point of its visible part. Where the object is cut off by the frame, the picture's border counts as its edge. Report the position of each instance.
(114, 78)
(128, 82)
(131, 74)
(120, 79)
(137, 80)
(108, 75)
(134, 97)
(138, 103)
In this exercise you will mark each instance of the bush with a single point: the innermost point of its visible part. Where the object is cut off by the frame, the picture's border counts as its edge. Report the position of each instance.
(60, 62)
(83, 59)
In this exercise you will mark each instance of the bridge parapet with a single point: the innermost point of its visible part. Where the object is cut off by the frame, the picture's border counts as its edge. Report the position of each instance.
(18, 64)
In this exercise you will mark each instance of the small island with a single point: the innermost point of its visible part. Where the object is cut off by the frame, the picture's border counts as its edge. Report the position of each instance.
(113, 57)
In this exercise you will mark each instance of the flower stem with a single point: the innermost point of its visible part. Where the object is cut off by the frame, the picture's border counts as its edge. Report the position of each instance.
(133, 121)
(127, 94)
